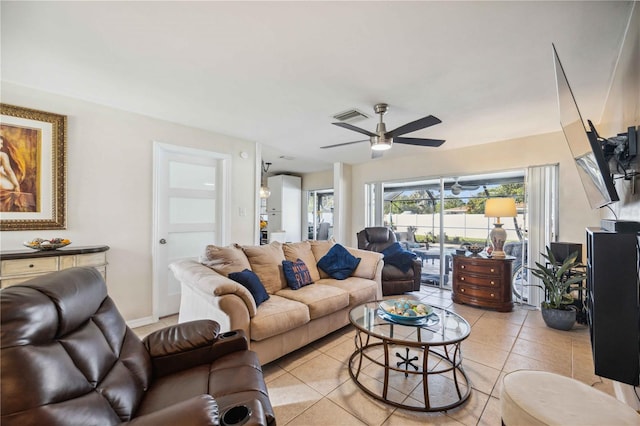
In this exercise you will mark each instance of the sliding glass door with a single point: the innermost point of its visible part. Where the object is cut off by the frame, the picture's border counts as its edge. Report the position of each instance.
(437, 217)
(320, 214)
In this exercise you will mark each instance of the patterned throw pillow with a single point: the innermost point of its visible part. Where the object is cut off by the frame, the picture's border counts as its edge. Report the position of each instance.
(297, 274)
(251, 281)
(338, 262)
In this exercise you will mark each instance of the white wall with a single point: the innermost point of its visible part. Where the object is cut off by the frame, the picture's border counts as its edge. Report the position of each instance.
(621, 110)
(109, 187)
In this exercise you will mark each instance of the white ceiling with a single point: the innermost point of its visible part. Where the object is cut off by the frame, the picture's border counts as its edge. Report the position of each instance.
(275, 72)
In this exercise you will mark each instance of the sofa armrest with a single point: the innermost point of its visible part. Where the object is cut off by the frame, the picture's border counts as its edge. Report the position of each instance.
(189, 272)
(189, 344)
(196, 411)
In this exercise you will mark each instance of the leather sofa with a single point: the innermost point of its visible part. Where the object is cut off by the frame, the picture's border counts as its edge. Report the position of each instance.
(68, 358)
(289, 319)
(394, 280)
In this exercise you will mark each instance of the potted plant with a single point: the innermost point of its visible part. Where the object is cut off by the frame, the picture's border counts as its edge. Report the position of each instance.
(559, 279)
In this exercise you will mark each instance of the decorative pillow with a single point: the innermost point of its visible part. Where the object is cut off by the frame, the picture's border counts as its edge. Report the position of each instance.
(225, 260)
(296, 273)
(338, 262)
(302, 251)
(319, 249)
(251, 281)
(396, 256)
(266, 262)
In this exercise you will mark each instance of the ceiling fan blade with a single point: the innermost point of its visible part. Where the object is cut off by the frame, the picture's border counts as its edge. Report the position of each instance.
(376, 154)
(421, 123)
(343, 144)
(419, 141)
(354, 128)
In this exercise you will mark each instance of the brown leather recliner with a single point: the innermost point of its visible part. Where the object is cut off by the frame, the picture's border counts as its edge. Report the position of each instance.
(68, 358)
(394, 281)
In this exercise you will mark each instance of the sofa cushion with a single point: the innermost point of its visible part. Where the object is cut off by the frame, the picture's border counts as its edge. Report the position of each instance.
(321, 300)
(225, 260)
(302, 251)
(266, 262)
(278, 315)
(338, 262)
(319, 249)
(368, 266)
(252, 283)
(360, 290)
(296, 273)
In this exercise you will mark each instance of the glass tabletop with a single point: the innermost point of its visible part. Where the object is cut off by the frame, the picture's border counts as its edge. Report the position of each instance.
(442, 327)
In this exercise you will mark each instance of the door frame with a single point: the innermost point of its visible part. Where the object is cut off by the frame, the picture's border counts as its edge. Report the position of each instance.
(222, 200)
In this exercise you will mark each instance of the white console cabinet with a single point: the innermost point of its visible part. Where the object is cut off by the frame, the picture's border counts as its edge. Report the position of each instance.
(17, 266)
(284, 206)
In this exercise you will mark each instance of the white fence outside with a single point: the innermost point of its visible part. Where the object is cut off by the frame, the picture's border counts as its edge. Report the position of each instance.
(462, 225)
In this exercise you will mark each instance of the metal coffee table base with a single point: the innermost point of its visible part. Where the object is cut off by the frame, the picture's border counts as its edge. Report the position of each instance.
(450, 354)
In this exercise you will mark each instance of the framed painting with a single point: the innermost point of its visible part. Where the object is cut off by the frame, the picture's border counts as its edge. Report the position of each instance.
(32, 169)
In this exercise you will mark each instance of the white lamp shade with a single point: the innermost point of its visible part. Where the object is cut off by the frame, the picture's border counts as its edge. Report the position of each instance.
(500, 207)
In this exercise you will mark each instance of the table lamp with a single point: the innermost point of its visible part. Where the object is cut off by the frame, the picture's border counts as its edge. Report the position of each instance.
(499, 207)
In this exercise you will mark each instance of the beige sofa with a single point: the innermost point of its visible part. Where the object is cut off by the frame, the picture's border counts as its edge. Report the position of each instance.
(289, 319)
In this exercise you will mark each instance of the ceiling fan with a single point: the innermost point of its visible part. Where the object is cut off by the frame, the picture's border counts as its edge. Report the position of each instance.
(382, 139)
(457, 187)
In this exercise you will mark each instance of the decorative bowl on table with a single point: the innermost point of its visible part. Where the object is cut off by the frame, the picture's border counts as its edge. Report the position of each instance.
(403, 310)
(42, 244)
(475, 248)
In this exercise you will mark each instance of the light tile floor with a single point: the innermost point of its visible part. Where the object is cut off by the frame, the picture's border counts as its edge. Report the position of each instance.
(312, 386)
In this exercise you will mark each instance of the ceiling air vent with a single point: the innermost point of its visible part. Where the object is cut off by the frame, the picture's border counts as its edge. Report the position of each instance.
(351, 116)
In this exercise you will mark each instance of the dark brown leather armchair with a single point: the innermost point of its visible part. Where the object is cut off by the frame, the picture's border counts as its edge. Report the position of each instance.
(68, 358)
(394, 281)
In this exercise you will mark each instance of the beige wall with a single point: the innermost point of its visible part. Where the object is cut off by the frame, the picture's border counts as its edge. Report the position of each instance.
(317, 180)
(109, 187)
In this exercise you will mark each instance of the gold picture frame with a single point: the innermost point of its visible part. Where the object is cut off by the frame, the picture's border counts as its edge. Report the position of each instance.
(33, 169)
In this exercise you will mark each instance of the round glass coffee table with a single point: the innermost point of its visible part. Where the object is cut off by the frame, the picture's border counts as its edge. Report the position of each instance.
(420, 360)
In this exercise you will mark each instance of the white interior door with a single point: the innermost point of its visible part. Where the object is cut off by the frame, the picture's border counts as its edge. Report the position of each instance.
(188, 198)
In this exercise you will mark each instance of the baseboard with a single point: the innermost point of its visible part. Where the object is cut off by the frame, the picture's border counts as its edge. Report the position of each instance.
(142, 322)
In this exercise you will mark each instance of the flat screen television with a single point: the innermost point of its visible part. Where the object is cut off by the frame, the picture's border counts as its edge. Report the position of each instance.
(584, 145)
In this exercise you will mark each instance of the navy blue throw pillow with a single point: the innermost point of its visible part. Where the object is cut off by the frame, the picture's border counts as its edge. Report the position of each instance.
(251, 281)
(396, 256)
(296, 273)
(338, 262)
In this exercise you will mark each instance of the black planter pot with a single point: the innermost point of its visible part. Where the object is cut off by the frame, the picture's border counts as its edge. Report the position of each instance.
(559, 319)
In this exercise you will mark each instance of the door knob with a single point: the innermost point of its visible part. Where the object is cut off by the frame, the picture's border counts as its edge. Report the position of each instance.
(163, 241)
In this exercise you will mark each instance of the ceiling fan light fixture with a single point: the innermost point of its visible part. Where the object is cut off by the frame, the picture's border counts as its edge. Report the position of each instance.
(380, 144)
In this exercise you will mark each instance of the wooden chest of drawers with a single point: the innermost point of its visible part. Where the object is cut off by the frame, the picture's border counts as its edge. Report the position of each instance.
(22, 265)
(483, 282)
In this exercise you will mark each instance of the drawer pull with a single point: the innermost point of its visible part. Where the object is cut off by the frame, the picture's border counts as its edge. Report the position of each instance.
(461, 278)
(493, 283)
(493, 270)
(31, 265)
(493, 295)
(461, 266)
(462, 290)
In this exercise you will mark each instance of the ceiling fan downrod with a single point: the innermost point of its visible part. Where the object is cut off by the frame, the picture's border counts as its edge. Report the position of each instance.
(381, 142)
